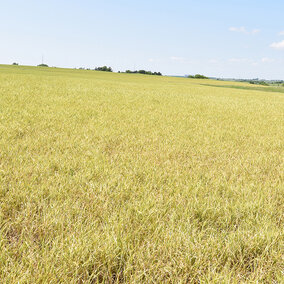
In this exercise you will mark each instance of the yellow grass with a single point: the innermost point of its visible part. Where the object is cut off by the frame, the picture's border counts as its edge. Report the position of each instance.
(109, 178)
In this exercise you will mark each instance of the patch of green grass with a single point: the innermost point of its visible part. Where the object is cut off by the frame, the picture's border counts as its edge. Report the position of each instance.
(245, 87)
(137, 179)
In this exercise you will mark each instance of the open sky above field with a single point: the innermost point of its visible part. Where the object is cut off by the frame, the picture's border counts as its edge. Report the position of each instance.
(241, 39)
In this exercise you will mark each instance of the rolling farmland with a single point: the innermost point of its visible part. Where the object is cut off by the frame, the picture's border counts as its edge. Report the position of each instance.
(125, 178)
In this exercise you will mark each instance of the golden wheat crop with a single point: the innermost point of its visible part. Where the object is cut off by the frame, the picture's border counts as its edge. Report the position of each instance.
(122, 178)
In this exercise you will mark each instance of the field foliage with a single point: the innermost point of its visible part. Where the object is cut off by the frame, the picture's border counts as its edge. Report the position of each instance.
(110, 178)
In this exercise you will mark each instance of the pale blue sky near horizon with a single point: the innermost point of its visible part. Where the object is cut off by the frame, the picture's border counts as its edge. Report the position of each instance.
(233, 38)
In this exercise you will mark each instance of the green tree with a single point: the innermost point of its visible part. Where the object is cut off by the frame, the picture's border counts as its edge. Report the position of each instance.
(104, 68)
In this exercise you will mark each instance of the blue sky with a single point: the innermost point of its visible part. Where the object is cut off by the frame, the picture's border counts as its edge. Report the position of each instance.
(233, 38)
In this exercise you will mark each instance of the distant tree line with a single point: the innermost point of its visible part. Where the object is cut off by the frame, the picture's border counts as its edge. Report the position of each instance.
(109, 69)
(104, 68)
(197, 76)
(257, 82)
(144, 72)
(261, 82)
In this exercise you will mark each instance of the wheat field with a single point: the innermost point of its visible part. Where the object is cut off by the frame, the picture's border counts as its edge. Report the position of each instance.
(123, 178)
